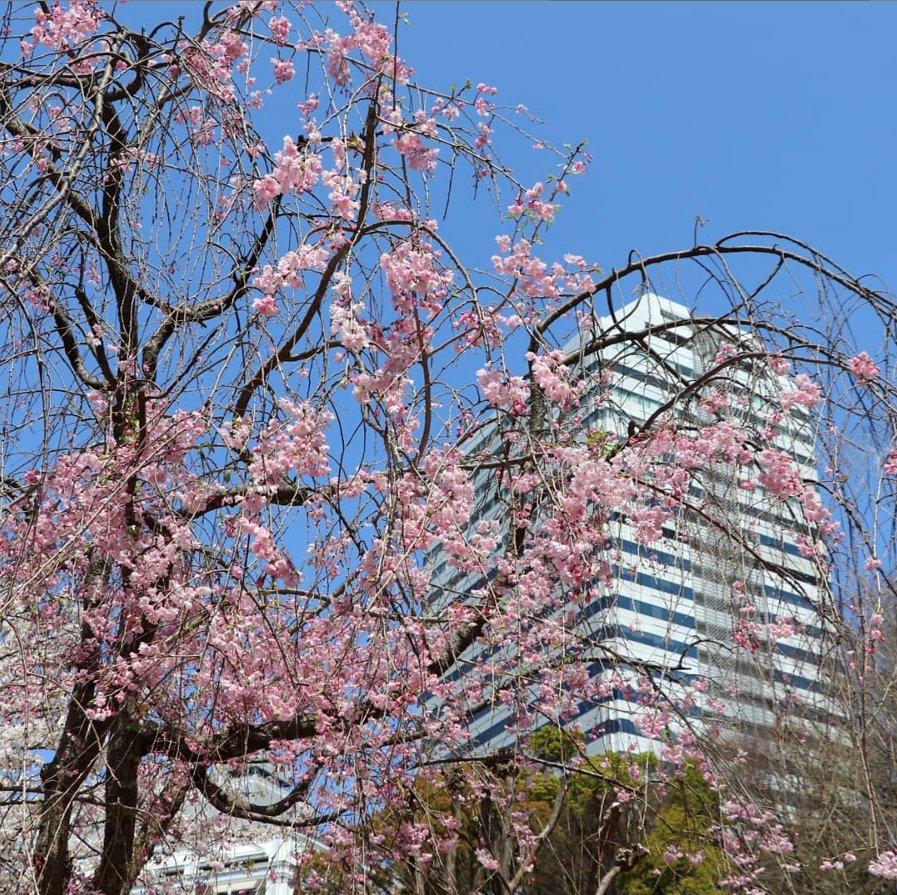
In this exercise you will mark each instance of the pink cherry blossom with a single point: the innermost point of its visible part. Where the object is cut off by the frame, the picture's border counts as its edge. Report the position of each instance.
(863, 367)
(65, 26)
(885, 865)
(283, 70)
(266, 305)
(806, 394)
(289, 474)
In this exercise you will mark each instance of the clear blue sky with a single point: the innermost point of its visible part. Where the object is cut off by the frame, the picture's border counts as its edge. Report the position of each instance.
(776, 116)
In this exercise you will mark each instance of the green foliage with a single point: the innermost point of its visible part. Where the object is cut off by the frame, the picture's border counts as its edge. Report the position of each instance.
(552, 744)
(682, 858)
(612, 804)
(616, 801)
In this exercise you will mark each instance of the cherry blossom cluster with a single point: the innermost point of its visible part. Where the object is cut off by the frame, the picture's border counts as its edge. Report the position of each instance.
(863, 367)
(288, 273)
(885, 865)
(502, 390)
(296, 170)
(371, 39)
(415, 276)
(533, 277)
(67, 25)
(296, 445)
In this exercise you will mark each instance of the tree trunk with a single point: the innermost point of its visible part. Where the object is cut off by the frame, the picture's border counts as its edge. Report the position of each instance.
(114, 872)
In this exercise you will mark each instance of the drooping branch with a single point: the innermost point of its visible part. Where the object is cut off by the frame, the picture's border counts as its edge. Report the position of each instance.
(232, 805)
(527, 861)
(184, 314)
(283, 354)
(61, 180)
(816, 263)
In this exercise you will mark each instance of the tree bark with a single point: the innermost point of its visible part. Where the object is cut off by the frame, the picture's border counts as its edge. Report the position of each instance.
(123, 763)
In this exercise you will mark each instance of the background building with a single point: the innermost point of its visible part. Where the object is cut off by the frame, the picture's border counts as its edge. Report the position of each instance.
(239, 858)
(724, 570)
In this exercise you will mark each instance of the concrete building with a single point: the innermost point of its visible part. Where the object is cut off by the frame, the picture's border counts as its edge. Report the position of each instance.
(237, 858)
(265, 867)
(676, 604)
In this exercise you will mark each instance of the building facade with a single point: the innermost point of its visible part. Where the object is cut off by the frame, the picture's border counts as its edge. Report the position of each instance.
(237, 857)
(724, 609)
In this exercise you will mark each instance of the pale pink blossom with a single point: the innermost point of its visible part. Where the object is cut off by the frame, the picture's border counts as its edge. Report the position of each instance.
(266, 305)
(280, 29)
(64, 26)
(552, 376)
(501, 390)
(295, 171)
(885, 865)
(890, 464)
(807, 393)
(419, 156)
(863, 367)
(283, 70)
(486, 859)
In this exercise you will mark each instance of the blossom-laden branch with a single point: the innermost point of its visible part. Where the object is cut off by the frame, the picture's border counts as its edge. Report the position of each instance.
(287, 479)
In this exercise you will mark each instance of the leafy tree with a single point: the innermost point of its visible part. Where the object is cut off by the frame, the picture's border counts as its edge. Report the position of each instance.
(251, 384)
(684, 855)
(666, 821)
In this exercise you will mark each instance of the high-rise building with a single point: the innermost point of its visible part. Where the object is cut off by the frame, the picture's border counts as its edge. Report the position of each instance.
(724, 609)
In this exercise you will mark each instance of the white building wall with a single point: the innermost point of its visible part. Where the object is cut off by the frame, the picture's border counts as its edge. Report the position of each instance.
(248, 859)
(674, 593)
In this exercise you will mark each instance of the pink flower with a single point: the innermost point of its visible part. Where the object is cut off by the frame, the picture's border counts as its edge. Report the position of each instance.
(503, 391)
(487, 860)
(807, 394)
(283, 70)
(781, 475)
(831, 865)
(890, 466)
(265, 190)
(863, 367)
(280, 30)
(671, 855)
(552, 376)
(65, 27)
(885, 865)
(417, 155)
(266, 305)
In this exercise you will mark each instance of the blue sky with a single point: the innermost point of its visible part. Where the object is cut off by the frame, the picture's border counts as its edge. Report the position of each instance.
(775, 116)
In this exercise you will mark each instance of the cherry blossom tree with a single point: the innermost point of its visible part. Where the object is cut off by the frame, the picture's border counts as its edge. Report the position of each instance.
(251, 385)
